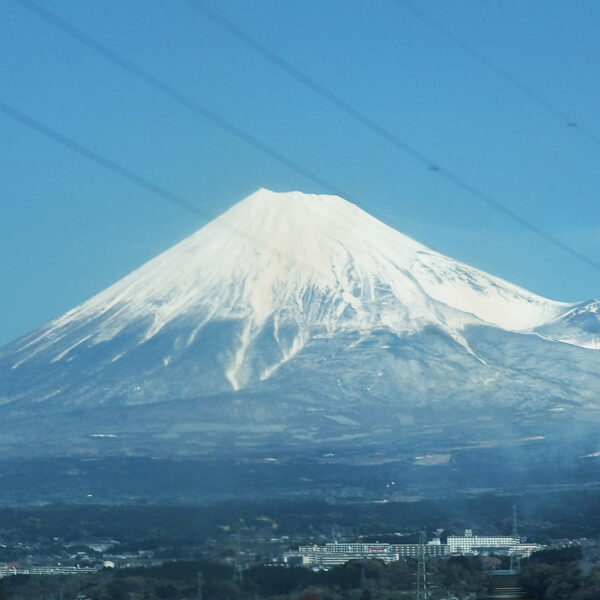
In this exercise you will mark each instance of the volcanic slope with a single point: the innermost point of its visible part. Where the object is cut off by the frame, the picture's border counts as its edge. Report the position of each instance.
(292, 319)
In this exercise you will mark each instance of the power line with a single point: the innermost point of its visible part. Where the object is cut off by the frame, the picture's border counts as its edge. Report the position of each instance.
(99, 159)
(384, 133)
(178, 96)
(526, 224)
(139, 180)
(190, 103)
(309, 82)
(557, 112)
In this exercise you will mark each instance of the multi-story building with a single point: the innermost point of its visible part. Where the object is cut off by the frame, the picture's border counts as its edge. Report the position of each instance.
(324, 557)
(475, 544)
(7, 570)
(433, 549)
(338, 553)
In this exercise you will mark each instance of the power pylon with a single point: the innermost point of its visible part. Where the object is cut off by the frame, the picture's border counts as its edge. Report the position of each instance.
(363, 575)
(515, 557)
(422, 569)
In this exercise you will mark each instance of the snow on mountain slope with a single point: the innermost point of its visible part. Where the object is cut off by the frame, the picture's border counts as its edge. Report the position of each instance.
(489, 298)
(580, 326)
(314, 265)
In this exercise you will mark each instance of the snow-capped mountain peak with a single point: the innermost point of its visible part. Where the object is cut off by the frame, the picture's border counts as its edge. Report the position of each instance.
(312, 265)
(296, 320)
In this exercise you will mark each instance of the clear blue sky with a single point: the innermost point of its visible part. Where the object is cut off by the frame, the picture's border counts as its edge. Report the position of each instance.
(69, 228)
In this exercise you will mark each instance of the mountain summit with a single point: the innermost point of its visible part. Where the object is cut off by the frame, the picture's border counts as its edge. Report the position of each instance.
(289, 287)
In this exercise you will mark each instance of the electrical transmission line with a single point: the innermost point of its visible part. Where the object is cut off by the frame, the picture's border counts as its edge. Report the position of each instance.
(422, 569)
(146, 184)
(176, 95)
(549, 106)
(515, 556)
(384, 133)
(190, 103)
(133, 177)
(99, 159)
(310, 83)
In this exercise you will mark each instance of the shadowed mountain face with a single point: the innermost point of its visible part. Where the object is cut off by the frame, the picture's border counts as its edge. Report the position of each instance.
(298, 324)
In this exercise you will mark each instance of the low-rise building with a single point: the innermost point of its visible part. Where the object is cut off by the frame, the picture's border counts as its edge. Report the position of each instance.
(478, 544)
(433, 549)
(338, 553)
(12, 569)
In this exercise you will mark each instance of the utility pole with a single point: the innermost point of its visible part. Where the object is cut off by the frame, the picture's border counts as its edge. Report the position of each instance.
(515, 557)
(363, 575)
(422, 569)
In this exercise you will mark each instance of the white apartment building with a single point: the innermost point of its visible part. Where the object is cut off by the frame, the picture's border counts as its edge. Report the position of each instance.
(471, 544)
(324, 557)
(338, 553)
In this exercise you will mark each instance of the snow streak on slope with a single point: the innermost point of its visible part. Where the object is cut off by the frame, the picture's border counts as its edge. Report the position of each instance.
(306, 264)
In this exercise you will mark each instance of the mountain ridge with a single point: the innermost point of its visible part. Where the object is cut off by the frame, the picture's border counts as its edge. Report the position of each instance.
(311, 321)
(330, 260)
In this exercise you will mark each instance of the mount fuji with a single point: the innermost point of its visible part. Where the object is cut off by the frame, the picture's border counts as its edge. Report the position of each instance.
(299, 323)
